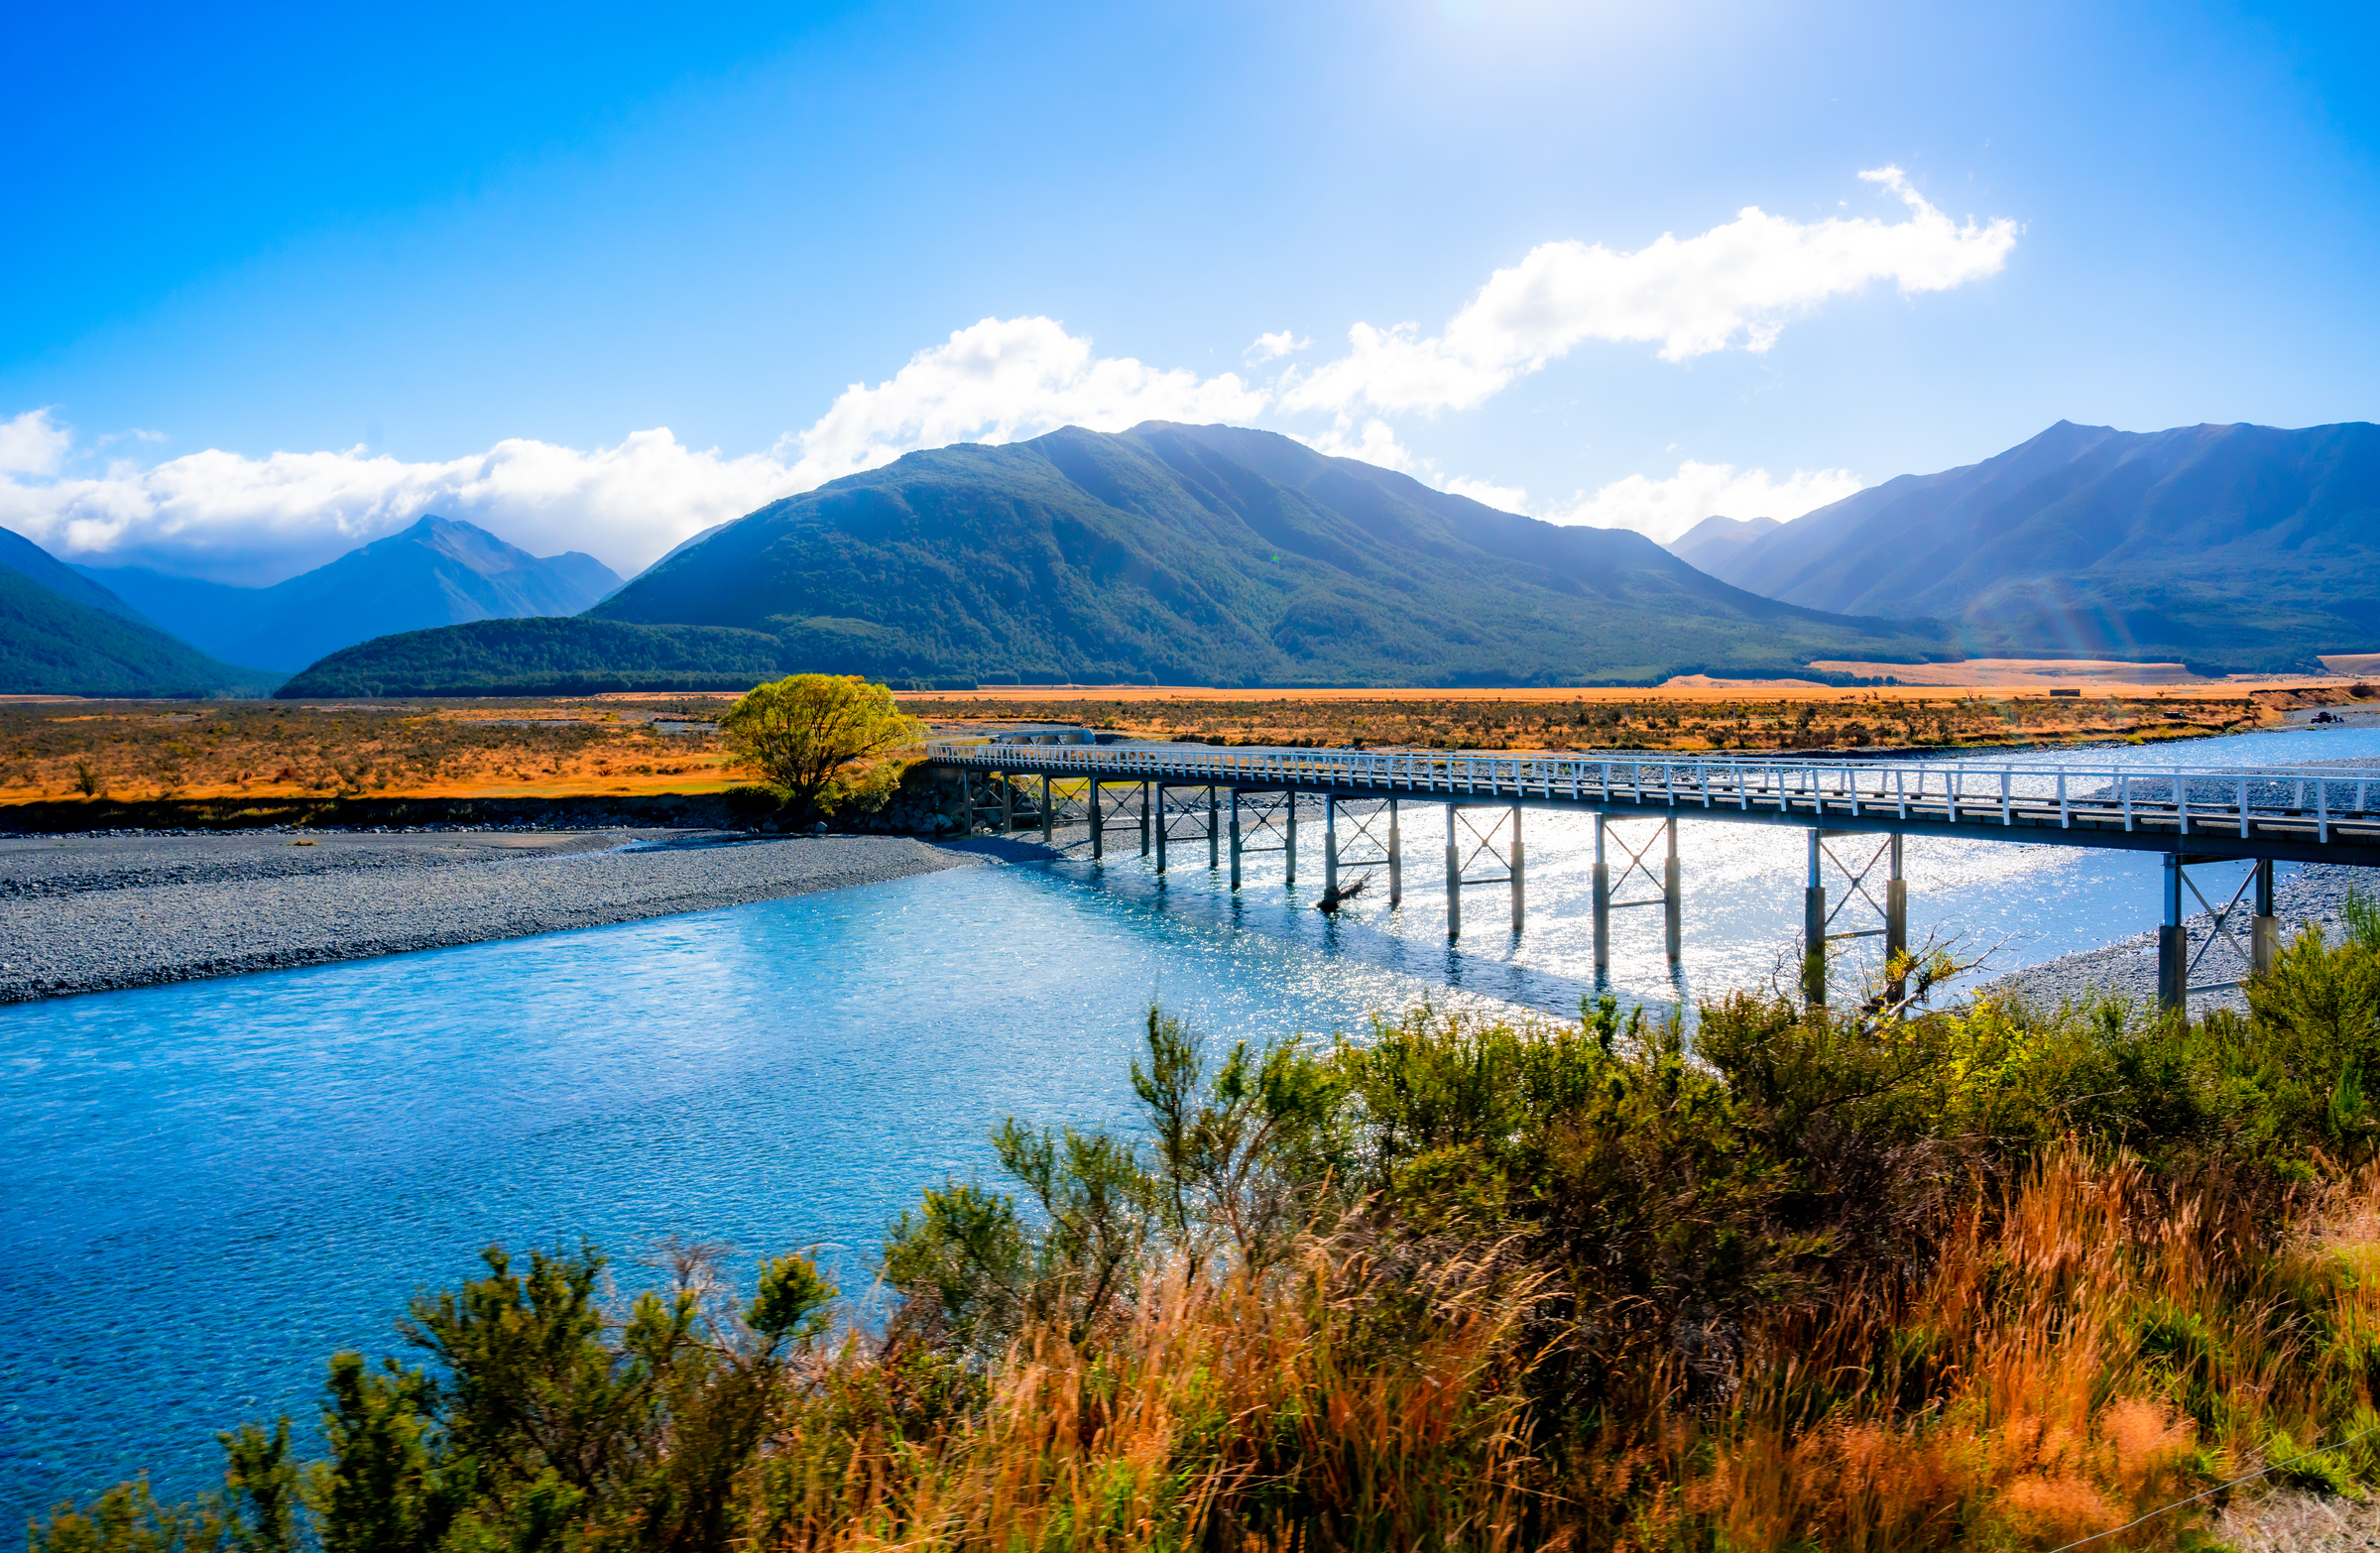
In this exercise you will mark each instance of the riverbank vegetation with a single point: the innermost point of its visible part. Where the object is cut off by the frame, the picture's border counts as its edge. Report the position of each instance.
(1879, 1278)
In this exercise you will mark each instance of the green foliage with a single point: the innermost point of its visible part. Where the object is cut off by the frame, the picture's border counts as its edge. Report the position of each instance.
(1208, 556)
(1630, 1243)
(802, 732)
(550, 656)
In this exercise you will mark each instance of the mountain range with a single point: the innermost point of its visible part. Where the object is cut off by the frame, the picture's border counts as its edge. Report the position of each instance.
(436, 573)
(1166, 553)
(2231, 548)
(61, 634)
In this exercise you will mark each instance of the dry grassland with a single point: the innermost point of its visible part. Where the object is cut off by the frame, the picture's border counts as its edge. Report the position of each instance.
(1686, 718)
(630, 744)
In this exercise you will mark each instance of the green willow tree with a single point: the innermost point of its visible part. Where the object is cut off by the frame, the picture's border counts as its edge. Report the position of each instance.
(802, 731)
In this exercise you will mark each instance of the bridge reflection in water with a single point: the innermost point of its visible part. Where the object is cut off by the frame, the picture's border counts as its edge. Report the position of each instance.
(1856, 814)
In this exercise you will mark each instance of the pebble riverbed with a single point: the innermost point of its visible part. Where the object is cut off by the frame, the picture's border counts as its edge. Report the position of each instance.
(89, 914)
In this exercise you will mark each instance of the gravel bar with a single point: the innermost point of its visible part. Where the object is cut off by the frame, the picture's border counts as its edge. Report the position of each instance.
(92, 913)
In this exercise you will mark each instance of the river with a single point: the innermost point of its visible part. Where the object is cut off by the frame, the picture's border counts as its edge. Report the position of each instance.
(213, 1185)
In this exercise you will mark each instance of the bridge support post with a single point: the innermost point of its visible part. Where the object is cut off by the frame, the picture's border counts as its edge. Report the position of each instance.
(1160, 790)
(1603, 901)
(1814, 930)
(1145, 819)
(1235, 838)
(1396, 860)
(1515, 869)
(1673, 899)
(2172, 944)
(1008, 804)
(2264, 928)
(1330, 845)
(1454, 880)
(1099, 827)
(1289, 839)
(1897, 907)
(1213, 830)
(1045, 811)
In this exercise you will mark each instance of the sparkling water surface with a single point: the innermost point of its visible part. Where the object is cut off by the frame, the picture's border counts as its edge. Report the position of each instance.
(207, 1188)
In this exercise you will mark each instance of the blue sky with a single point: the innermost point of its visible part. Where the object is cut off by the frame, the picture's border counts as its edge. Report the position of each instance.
(281, 281)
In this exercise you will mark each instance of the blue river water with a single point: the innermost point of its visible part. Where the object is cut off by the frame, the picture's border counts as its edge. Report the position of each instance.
(207, 1188)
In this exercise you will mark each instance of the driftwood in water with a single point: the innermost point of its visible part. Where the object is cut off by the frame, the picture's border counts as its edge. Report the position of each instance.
(1333, 900)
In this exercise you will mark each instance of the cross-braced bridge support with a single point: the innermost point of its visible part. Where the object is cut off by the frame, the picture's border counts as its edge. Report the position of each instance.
(1366, 846)
(2178, 968)
(1128, 798)
(1199, 818)
(1858, 867)
(1256, 813)
(1467, 844)
(1671, 899)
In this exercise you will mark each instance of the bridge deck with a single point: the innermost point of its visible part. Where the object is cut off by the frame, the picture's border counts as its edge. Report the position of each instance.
(2295, 814)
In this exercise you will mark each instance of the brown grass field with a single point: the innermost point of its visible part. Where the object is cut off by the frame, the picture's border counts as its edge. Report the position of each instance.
(642, 745)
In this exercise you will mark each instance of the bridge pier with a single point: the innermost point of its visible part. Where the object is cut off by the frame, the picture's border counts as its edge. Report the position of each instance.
(1162, 827)
(1234, 839)
(1672, 899)
(1145, 819)
(1214, 833)
(1817, 915)
(1099, 826)
(1396, 861)
(1814, 928)
(1008, 804)
(1454, 880)
(2172, 943)
(1512, 859)
(1045, 810)
(1330, 845)
(2264, 928)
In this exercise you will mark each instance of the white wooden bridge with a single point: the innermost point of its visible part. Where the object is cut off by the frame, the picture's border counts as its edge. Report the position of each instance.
(2187, 814)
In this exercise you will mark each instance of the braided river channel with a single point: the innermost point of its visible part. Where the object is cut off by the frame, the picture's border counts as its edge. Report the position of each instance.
(206, 1189)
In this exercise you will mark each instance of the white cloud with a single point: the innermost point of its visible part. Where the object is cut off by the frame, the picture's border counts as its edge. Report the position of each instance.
(243, 518)
(1269, 346)
(1736, 286)
(999, 379)
(33, 445)
(249, 519)
(1664, 509)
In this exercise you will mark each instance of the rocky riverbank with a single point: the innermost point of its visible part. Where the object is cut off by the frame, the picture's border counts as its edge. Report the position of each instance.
(2315, 893)
(88, 913)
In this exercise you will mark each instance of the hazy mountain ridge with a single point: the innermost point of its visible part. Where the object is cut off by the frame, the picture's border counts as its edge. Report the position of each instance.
(51, 644)
(2229, 546)
(436, 573)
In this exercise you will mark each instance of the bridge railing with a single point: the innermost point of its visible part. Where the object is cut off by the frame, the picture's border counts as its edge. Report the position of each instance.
(2196, 801)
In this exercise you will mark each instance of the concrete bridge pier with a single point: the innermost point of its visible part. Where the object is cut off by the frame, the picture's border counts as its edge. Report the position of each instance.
(1215, 832)
(2264, 928)
(1330, 845)
(1396, 860)
(1045, 811)
(1098, 826)
(1672, 899)
(1235, 838)
(2172, 943)
(1814, 926)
